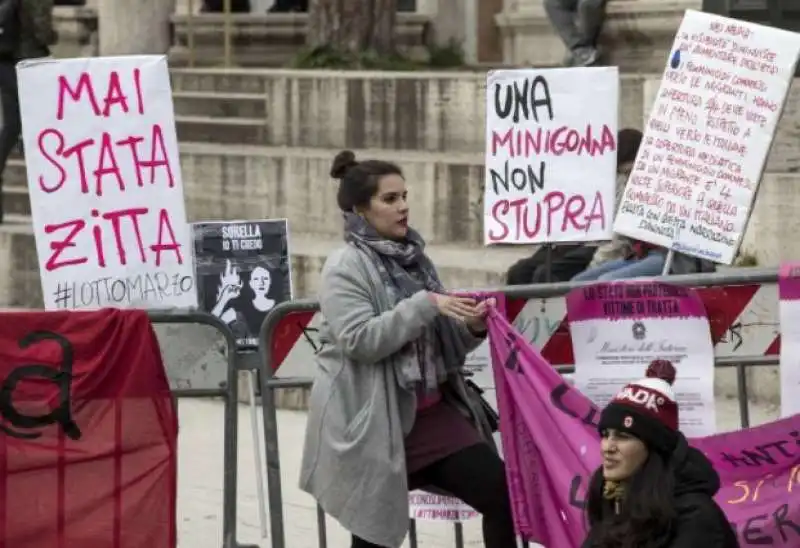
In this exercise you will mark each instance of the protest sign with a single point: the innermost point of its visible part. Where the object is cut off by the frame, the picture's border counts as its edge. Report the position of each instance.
(709, 133)
(617, 329)
(789, 313)
(552, 446)
(105, 183)
(243, 270)
(89, 432)
(550, 155)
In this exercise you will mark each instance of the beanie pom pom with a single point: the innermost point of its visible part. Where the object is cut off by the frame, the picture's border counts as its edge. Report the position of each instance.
(661, 369)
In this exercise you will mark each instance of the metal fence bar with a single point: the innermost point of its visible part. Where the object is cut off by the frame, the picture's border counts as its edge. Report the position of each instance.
(230, 394)
(269, 382)
(746, 276)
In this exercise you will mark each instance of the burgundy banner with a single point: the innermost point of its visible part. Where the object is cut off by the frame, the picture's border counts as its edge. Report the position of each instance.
(88, 432)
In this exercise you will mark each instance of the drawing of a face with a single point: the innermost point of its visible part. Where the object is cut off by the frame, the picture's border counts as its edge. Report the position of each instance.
(260, 281)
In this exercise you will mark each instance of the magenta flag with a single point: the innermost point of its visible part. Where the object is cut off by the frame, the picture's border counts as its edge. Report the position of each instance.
(551, 447)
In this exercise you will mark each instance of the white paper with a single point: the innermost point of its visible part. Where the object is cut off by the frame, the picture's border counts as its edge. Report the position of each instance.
(550, 155)
(105, 183)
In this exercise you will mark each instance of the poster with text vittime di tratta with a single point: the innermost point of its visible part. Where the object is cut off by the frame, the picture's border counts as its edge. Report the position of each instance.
(551, 155)
(105, 183)
(708, 137)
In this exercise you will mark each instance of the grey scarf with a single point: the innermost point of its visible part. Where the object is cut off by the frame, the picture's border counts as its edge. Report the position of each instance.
(405, 270)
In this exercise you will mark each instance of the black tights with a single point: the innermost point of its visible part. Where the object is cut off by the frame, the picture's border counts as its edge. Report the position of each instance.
(477, 476)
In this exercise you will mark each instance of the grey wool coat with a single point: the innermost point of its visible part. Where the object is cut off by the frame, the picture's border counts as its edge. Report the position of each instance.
(359, 413)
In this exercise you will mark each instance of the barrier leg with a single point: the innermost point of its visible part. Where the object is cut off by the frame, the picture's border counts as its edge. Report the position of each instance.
(231, 455)
(273, 462)
(262, 503)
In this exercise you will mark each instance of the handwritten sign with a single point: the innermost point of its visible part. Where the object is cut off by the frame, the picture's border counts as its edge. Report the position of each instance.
(789, 313)
(105, 183)
(617, 329)
(708, 136)
(550, 155)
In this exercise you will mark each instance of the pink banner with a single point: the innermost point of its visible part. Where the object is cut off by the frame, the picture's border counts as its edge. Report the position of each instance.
(633, 301)
(789, 281)
(551, 447)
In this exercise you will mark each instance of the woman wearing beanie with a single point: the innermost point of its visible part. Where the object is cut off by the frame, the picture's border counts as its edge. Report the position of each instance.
(653, 490)
(389, 410)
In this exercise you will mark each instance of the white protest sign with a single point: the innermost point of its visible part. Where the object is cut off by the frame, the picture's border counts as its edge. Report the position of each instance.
(105, 183)
(550, 155)
(708, 136)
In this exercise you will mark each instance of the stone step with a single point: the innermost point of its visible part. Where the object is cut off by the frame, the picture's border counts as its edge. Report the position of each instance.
(16, 201)
(221, 130)
(221, 105)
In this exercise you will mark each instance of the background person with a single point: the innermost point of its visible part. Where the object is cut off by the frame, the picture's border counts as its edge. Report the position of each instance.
(653, 490)
(389, 411)
(26, 32)
(578, 23)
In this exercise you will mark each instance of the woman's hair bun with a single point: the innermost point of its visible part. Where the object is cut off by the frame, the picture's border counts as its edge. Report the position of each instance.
(345, 160)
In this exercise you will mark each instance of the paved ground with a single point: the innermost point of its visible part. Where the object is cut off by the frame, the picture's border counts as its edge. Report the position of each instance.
(200, 481)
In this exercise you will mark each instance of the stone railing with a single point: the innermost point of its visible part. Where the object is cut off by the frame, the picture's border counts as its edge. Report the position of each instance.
(266, 40)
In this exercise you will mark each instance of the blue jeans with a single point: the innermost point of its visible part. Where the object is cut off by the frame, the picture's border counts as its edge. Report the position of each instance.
(624, 269)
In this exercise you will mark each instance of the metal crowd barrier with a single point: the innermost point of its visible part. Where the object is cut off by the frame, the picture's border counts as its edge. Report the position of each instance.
(228, 390)
(270, 382)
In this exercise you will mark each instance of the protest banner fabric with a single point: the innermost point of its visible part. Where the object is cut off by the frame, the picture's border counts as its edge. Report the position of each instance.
(243, 270)
(708, 136)
(551, 448)
(89, 430)
(618, 328)
(789, 312)
(551, 141)
(105, 183)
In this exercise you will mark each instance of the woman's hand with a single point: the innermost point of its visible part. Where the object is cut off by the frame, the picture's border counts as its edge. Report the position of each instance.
(477, 322)
(458, 308)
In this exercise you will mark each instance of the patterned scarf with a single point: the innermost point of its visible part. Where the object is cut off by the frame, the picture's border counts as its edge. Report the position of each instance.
(405, 270)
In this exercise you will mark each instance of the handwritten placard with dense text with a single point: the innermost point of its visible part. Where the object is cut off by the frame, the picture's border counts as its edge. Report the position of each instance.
(550, 155)
(105, 183)
(708, 136)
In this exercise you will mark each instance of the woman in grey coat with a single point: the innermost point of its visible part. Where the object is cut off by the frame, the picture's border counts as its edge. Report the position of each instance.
(389, 411)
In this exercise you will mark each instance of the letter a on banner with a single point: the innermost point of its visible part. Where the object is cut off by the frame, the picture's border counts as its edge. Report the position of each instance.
(88, 432)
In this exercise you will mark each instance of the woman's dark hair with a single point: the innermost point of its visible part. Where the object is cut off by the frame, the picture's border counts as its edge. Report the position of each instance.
(358, 181)
(646, 513)
(628, 141)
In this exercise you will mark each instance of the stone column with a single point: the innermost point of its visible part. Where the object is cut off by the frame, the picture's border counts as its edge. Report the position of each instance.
(129, 27)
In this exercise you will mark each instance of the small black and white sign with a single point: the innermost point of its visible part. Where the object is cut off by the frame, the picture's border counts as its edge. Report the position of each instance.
(243, 271)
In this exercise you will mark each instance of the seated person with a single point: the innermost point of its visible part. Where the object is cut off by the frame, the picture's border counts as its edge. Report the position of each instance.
(566, 260)
(578, 23)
